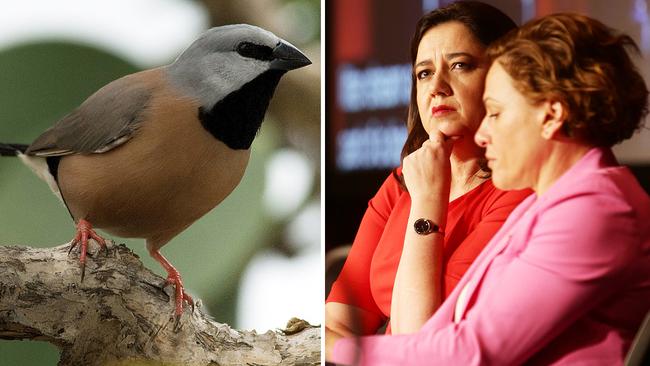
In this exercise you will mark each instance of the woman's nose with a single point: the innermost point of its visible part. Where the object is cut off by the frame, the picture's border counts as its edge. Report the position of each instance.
(482, 137)
(440, 85)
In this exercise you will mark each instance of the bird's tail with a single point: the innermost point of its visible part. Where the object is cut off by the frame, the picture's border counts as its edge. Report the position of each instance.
(12, 149)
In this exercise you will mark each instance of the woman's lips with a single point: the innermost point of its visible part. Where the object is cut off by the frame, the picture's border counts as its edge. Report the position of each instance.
(441, 110)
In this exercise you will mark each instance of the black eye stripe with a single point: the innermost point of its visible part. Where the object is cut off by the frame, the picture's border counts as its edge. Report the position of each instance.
(252, 50)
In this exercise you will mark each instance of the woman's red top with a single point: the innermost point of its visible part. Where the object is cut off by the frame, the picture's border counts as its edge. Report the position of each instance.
(366, 280)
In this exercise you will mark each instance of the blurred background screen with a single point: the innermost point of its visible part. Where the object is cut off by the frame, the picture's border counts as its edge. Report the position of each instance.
(368, 75)
(255, 261)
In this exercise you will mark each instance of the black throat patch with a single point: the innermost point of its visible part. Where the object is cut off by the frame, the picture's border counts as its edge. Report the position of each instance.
(236, 119)
(53, 166)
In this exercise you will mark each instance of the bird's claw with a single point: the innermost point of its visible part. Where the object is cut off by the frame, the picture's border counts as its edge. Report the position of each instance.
(84, 233)
(73, 244)
(83, 271)
(180, 296)
(177, 322)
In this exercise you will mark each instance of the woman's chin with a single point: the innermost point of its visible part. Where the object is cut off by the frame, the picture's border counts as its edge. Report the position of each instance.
(448, 129)
(505, 184)
(452, 130)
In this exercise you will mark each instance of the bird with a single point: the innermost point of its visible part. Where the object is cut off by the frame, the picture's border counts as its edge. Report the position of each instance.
(148, 154)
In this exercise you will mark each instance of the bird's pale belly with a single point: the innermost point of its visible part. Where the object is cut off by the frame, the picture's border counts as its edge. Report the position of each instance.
(142, 192)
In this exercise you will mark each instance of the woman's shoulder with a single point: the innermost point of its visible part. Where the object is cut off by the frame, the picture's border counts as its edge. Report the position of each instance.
(615, 185)
(595, 177)
(388, 194)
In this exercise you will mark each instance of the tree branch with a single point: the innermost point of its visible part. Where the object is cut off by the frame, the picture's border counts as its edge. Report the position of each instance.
(120, 315)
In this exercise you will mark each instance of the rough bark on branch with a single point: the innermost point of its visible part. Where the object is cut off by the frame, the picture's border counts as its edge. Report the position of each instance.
(119, 315)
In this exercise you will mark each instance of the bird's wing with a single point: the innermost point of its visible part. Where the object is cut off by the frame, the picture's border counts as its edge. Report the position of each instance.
(104, 121)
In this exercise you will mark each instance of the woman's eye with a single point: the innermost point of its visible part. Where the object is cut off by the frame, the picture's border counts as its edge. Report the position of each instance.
(422, 74)
(461, 66)
(493, 115)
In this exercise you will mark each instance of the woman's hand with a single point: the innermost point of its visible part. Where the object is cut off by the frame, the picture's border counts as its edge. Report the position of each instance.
(343, 320)
(427, 171)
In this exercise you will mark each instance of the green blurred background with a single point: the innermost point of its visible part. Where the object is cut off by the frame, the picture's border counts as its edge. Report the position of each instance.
(42, 80)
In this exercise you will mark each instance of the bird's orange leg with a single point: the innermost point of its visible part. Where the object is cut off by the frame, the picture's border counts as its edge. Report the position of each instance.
(173, 278)
(84, 232)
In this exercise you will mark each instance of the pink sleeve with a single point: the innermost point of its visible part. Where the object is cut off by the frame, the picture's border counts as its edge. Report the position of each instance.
(573, 258)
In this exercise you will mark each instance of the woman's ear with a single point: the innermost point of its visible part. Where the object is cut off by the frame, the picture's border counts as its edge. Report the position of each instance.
(555, 118)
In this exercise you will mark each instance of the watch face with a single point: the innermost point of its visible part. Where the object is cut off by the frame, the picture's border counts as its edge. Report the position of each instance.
(424, 226)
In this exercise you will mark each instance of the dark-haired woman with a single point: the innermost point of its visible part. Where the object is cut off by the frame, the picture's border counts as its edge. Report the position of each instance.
(566, 280)
(431, 218)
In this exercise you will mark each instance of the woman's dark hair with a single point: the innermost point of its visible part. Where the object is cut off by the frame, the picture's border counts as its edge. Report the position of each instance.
(484, 21)
(583, 64)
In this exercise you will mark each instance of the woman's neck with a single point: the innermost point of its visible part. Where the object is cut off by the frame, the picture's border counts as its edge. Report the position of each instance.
(465, 174)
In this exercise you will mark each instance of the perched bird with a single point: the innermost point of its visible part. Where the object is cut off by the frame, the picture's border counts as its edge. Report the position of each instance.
(150, 153)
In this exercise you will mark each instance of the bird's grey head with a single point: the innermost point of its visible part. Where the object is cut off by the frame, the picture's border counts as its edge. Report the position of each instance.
(225, 58)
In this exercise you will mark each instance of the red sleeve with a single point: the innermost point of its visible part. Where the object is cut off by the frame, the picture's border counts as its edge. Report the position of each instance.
(497, 207)
(352, 287)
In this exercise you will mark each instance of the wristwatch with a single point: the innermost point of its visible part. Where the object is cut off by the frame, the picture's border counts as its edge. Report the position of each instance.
(425, 227)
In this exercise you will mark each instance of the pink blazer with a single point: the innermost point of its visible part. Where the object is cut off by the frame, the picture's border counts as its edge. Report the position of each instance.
(565, 281)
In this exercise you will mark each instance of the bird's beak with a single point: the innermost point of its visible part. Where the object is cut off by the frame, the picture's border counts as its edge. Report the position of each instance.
(287, 57)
